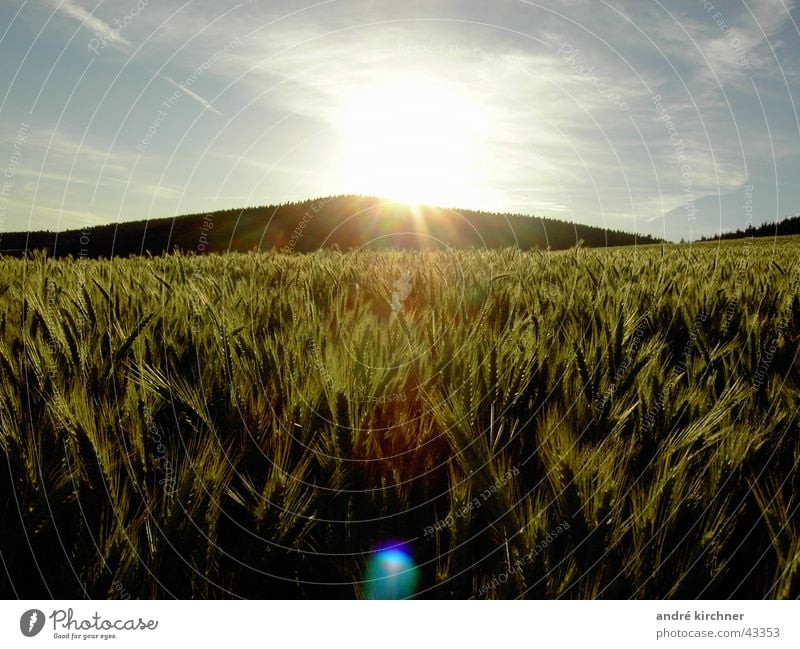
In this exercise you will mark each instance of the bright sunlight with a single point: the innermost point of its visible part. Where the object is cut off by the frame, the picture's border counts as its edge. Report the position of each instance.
(416, 140)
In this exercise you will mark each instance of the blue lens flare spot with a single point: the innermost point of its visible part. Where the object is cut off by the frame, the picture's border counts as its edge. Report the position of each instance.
(391, 573)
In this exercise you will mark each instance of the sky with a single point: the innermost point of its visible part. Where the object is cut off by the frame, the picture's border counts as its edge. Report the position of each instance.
(677, 118)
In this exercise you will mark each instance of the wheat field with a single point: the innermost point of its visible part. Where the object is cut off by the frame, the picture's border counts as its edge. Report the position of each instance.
(593, 423)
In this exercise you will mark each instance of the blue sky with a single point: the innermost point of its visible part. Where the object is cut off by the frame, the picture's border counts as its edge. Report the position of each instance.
(671, 118)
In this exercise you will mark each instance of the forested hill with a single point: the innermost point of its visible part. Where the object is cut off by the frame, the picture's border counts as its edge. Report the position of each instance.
(343, 221)
(790, 225)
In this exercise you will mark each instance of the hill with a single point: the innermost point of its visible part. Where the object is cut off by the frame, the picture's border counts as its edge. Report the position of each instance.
(341, 221)
(790, 225)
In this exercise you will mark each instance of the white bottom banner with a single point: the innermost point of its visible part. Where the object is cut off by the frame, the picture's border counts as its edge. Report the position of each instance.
(385, 625)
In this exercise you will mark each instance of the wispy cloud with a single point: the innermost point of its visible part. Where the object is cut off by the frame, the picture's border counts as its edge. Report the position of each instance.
(190, 93)
(89, 20)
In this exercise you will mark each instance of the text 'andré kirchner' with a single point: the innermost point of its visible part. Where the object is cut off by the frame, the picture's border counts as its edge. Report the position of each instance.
(699, 616)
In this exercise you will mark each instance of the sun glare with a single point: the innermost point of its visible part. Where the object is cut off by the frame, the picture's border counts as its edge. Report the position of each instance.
(415, 140)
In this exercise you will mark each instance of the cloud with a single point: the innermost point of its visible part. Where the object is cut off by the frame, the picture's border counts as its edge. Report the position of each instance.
(200, 100)
(734, 44)
(87, 19)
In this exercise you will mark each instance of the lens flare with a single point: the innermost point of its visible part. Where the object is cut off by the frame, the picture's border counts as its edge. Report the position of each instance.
(391, 573)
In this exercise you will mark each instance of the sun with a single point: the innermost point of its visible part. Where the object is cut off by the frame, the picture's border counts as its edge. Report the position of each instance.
(414, 139)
